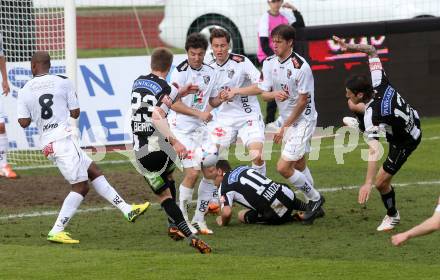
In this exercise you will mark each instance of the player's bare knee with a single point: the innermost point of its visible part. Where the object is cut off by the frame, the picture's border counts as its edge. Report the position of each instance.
(94, 172)
(284, 169)
(241, 216)
(81, 188)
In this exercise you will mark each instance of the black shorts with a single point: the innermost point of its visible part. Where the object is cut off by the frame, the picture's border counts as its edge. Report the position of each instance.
(397, 156)
(155, 167)
(270, 218)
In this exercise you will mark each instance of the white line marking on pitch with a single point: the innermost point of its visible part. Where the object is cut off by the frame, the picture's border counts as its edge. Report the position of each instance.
(329, 189)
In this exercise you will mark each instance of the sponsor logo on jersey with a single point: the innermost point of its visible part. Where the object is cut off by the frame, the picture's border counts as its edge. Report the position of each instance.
(206, 79)
(147, 84)
(231, 73)
(385, 106)
(233, 176)
(49, 126)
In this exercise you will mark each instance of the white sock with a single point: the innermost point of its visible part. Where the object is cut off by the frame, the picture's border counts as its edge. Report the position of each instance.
(299, 180)
(185, 196)
(104, 189)
(70, 205)
(3, 149)
(205, 194)
(308, 175)
(260, 168)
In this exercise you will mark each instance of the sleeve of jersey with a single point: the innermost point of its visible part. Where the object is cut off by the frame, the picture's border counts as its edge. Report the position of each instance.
(288, 15)
(72, 98)
(177, 77)
(372, 129)
(305, 80)
(167, 98)
(22, 110)
(377, 74)
(263, 26)
(265, 82)
(252, 72)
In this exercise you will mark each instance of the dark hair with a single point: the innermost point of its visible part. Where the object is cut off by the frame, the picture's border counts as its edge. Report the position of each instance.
(223, 165)
(161, 59)
(219, 33)
(196, 41)
(286, 32)
(360, 83)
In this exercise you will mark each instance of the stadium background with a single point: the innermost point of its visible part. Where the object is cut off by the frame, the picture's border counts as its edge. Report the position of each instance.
(342, 246)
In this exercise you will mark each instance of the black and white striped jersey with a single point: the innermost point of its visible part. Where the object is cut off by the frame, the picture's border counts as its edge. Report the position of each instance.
(148, 92)
(249, 188)
(389, 112)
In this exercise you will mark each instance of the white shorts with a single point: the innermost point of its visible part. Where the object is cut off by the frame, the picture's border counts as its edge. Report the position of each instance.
(191, 140)
(249, 131)
(297, 138)
(2, 110)
(70, 159)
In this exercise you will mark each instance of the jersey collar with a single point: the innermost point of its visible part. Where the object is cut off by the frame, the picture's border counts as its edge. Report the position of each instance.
(282, 62)
(226, 61)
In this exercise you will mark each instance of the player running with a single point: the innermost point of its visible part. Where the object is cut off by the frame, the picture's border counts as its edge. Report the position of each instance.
(49, 101)
(268, 202)
(155, 147)
(386, 111)
(288, 79)
(188, 120)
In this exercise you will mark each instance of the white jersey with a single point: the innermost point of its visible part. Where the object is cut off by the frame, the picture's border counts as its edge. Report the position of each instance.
(293, 76)
(205, 79)
(47, 100)
(238, 71)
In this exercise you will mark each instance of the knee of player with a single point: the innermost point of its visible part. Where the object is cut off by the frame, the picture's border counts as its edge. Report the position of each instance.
(284, 170)
(191, 175)
(2, 128)
(241, 216)
(94, 172)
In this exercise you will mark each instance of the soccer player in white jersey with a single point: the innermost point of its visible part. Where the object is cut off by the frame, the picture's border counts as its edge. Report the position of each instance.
(49, 101)
(5, 169)
(429, 225)
(288, 79)
(241, 115)
(187, 122)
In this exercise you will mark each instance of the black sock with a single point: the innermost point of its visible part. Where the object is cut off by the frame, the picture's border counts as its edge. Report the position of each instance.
(389, 201)
(176, 216)
(299, 205)
(173, 189)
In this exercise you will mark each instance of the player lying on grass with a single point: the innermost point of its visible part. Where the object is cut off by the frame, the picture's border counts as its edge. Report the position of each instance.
(386, 112)
(268, 202)
(49, 101)
(430, 225)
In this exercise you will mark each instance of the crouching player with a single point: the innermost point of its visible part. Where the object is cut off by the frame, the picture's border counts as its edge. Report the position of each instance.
(268, 202)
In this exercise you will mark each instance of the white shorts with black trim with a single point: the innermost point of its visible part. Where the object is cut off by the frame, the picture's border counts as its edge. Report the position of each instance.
(249, 130)
(70, 159)
(296, 140)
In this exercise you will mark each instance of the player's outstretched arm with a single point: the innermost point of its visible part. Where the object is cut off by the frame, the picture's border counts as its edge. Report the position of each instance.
(430, 225)
(368, 49)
